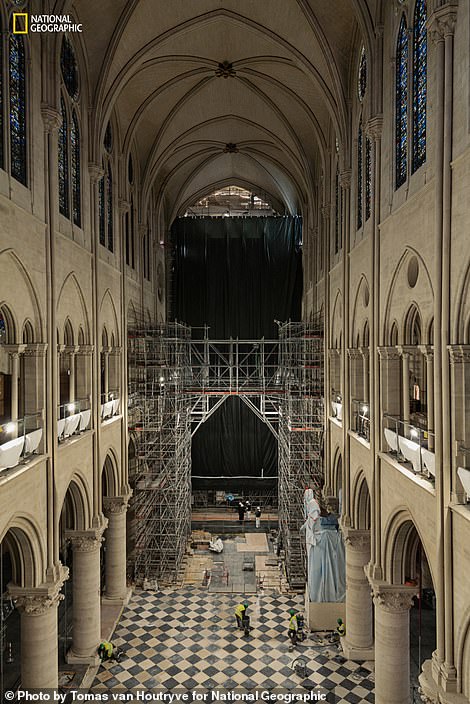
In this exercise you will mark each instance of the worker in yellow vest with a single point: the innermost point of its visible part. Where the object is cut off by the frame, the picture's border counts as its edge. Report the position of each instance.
(293, 628)
(240, 613)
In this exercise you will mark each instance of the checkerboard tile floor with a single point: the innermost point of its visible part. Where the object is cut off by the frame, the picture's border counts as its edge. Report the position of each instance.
(188, 639)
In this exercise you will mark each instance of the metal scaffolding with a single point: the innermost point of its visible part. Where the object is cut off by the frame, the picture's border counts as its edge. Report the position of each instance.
(158, 372)
(301, 423)
(178, 378)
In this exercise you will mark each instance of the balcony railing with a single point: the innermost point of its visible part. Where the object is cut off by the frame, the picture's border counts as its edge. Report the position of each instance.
(410, 444)
(110, 404)
(360, 420)
(19, 439)
(73, 418)
(337, 405)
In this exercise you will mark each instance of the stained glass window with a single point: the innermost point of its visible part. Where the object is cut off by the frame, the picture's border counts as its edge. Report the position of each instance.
(359, 177)
(2, 136)
(75, 164)
(17, 76)
(101, 211)
(64, 202)
(109, 208)
(401, 105)
(419, 84)
(368, 175)
(68, 65)
(362, 77)
(108, 138)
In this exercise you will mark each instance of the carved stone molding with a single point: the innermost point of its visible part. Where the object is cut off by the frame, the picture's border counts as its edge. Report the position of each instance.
(357, 539)
(95, 171)
(427, 351)
(388, 352)
(459, 354)
(393, 599)
(85, 350)
(345, 179)
(87, 540)
(115, 505)
(374, 127)
(326, 211)
(355, 353)
(441, 24)
(35, 349)
(225, 70)
(123, 205)
(36, 602)
(51, 118)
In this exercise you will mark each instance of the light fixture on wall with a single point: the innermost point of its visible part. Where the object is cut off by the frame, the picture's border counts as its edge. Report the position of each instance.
(71, 407)
(10, 428)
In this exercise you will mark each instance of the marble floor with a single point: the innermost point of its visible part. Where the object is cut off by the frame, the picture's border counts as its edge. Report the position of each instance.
(187, 639)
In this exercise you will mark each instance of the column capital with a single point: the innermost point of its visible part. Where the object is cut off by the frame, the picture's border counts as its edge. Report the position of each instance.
(393, 598)
(51, 118)
(345, 179)
(115, 504)
(355, 353)
(388, 352)
(427, 351)
(441, 24)
(85, 350)
(374, 127)
(35, 349)
(14, 349)
(95, 171)
(356, 538)
(123, 205)
(459, 354)
(38, 601)
(406, 350)
(86, 540)
(333, 352)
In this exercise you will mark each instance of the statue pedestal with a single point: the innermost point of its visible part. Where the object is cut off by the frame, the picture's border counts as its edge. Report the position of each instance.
(323, 615)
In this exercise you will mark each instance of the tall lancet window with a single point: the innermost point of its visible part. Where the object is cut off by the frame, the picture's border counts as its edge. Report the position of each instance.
(420, 50)
(401, 105)
(105, 194)
(17, 86)
(360, 140)
(69, 137)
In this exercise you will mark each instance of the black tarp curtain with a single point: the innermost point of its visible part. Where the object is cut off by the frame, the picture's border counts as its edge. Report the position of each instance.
(237, 275)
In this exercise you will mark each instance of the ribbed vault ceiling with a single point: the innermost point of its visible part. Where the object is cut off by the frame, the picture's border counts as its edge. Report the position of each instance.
(153, 65)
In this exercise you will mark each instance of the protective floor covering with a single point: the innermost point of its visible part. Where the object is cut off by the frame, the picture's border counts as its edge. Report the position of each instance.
(187, 639)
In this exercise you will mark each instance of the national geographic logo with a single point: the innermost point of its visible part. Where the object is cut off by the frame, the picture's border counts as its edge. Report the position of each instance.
(23, 23)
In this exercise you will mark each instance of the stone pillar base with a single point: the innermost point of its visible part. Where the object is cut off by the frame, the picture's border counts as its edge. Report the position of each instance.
(357, 654)
(92, 660)
(123, 600)
(435, 693)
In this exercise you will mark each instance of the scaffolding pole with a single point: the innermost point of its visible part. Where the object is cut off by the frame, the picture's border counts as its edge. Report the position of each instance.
(300, 435)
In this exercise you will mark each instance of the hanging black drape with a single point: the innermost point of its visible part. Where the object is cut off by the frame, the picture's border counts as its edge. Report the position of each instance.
(236, 275)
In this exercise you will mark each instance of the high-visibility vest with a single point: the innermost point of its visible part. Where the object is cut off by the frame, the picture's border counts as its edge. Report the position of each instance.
(240, 610)
(108, 647)
(293, 624)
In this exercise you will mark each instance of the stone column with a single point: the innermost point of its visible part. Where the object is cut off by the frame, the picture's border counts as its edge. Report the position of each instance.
(405, 376)
(358, 644)
(392, 643)
(115, 510)
(15, 373)
(365, 373)
(106, 371)
(459, 356)
(427, 351)
(86, 595)
(39, 642)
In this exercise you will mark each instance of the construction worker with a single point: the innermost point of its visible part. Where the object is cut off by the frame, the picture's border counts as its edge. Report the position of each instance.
(258, 516)
(340, 628)
(106, 650)
(293, 628)
(240, 613)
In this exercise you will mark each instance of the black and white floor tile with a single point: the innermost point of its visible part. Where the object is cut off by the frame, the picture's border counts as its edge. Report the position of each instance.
(187, 639)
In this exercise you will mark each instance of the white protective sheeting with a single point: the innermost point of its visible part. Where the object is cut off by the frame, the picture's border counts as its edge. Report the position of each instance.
(326, 556)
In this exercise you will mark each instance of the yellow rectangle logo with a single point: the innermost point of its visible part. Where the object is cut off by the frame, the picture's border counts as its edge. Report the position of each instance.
(20, 23)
